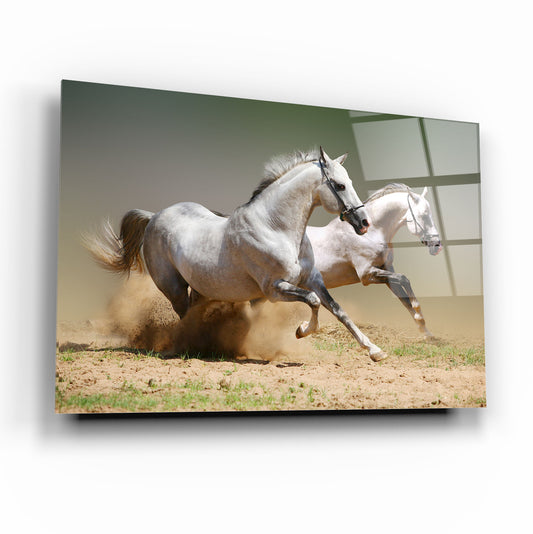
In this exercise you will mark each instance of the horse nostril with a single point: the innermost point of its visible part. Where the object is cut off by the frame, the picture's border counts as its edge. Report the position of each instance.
(365, 223)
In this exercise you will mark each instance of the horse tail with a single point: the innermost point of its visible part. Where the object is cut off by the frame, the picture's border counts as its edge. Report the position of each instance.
(120, 253)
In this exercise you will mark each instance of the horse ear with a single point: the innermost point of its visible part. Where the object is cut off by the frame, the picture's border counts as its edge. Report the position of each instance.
(424, 193)
(324, 157)
(341, 159)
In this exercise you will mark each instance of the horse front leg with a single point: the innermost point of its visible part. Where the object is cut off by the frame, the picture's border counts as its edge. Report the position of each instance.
(285, 291)
(400, 285)
(316, 284)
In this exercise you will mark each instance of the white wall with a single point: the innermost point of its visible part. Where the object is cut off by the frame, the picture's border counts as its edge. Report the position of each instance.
(452, 472)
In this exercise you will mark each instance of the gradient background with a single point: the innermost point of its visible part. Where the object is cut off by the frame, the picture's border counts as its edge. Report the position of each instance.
(124, 148)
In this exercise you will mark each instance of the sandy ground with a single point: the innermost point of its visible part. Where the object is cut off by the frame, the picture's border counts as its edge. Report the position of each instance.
(266, 369)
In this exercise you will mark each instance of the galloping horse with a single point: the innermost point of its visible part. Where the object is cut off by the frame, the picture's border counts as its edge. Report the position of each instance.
(345, 258)
(259, 251)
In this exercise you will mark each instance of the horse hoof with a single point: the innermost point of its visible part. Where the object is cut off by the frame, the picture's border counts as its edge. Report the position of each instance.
(378, 356)
(300, 331)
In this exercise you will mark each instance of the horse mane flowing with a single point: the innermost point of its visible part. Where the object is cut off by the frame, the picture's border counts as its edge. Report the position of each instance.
(388, 190)
(277, 166)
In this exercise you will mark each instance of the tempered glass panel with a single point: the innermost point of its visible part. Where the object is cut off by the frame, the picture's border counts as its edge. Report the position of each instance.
(390, 150)
(453, 146)
(466, 266)
(428, 274)
(460, 210)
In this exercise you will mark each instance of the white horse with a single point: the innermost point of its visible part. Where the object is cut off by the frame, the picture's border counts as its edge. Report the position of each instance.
(261, 250)
(345, 258)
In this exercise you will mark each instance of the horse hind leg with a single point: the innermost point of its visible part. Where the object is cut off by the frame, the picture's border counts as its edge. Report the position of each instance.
(170, 282)
(415, 311)
(401, 287)
(195, 298)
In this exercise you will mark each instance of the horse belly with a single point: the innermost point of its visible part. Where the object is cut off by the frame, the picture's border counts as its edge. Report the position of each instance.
(339, 274)
(213, 272)
(225, 287)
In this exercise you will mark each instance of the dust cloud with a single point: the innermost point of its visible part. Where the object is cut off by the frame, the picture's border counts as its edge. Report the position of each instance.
(143, 318)
(140, 313)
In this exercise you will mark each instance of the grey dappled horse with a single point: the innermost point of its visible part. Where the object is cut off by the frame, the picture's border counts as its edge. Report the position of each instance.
(345, 258)
(259, 251)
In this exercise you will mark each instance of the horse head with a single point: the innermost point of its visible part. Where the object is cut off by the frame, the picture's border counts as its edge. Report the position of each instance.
(420, 221)
(337, 194)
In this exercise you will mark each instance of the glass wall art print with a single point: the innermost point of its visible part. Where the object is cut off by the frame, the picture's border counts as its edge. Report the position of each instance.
(222, 254)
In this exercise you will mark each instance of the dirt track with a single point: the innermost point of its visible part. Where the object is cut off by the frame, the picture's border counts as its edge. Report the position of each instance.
(327, 371)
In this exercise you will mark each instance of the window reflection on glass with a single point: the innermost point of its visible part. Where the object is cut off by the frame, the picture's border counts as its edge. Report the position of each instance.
(453, 146)
(460, 210)
(466, 267)
(390, 150)
(362, 113)
(428, 274)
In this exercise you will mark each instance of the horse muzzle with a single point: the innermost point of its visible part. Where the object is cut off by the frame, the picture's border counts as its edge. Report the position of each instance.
(434, 245)
(358, 218)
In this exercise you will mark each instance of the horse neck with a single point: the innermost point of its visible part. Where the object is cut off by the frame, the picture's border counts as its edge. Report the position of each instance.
(290, 201)
(386, 213)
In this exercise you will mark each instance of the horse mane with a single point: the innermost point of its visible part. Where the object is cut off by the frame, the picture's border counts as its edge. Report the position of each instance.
(389, 189)
(280, 165)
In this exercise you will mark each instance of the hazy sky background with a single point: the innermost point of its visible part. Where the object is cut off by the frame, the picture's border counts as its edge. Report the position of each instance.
(124, 148)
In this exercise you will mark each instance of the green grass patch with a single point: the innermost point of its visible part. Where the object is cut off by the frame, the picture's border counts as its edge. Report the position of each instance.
(339, 347)
(445, 355)
(479, 401)
(207, 356)
(194, 385)
(128, 402)
(195, 395)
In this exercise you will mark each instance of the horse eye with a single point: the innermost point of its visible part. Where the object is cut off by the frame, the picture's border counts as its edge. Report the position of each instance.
(340, 187)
